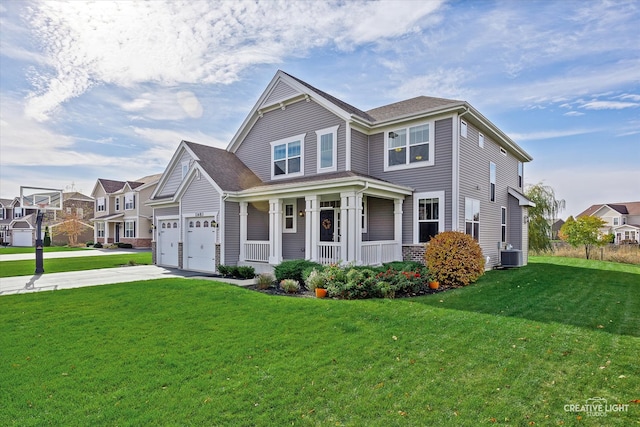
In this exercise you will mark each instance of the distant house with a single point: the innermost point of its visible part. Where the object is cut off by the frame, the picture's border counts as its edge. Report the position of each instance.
(308, 176)
(621, 219)
(555, 229)
(120, 215)
(18, 224)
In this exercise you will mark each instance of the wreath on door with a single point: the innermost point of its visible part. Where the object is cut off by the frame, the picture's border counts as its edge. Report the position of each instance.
(326, 224)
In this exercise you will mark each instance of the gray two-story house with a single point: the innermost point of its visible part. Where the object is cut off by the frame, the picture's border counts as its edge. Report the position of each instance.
(308, 176)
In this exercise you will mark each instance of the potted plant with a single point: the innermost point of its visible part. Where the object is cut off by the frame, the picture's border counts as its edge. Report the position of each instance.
(434, 284)
(317, 282)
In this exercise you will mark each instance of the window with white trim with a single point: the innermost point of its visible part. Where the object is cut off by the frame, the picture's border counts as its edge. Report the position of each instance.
(289, 216)
(480, 140)
(327, 149)
(409, 147)
(428, 215)
(472, 217)
(463, 128)
(101, 204)
(100, 229)
(129, 229)
(80, 212)
(287, 157)
(185, 168)
(492, 181)
(520, 173)
(129, 201)
(503, 224)
(364, 214)
(117, 204)
(616, 221)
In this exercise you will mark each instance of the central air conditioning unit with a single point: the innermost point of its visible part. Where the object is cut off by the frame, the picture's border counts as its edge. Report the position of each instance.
(511, 258)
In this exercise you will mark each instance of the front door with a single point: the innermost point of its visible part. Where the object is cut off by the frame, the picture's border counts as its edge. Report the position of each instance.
(327, 225)
(116, 238)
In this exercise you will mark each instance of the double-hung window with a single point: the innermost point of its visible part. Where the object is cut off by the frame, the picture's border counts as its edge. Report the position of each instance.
(100, 229)
(428, 215)
(472, 217)
(287, 157)
(492, 181)
(327, 149)
(289, 217)
(101, 204)
(503, 224)
(129, 229)
(520, 174)
(117, 204)
(129, 201)
(409, 147)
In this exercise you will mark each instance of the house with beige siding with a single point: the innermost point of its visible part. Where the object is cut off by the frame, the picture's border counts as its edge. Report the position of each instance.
(621, 219)
(120, 214)
(308, 176)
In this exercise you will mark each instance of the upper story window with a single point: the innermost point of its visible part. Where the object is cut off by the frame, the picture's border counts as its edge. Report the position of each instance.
(463, 128)
(481, 140)
(409, 147)
(616, 221)
(80, 212)
(18, 212)
(185, 168)
(129, 201)
(428, 215)
(520, 173)
(327, 149)
(101, 204)
(624, 220)
(117, 204)
(492, 181)
(287, 157)
(503, 224)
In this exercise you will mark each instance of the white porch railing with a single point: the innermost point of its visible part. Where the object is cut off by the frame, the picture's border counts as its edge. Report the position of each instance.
(256, 250)
(378, 252)
(328, 253)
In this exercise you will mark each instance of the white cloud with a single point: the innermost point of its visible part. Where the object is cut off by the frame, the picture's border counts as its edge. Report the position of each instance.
(170, 42)
(573, 114)
(550, 134)
(609, 105)
(441, 82)
(190, 104)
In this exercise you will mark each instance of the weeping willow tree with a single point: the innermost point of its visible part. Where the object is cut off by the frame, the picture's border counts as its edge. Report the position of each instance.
(542, 216)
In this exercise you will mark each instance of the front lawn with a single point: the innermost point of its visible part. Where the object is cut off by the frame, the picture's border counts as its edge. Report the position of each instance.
(26, 250)
(59, 265)
(197, 352)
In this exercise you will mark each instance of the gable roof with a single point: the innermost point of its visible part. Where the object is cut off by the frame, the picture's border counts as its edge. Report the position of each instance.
(223, 167)
(625, 208)
(76, 196)
(419, 104)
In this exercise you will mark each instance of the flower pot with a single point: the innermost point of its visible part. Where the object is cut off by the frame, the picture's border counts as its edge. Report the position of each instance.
(321, 293)
(434, 285)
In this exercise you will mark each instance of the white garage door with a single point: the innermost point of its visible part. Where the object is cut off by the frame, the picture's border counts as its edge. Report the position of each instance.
(168, 243)
(200, 245)
(22, 237)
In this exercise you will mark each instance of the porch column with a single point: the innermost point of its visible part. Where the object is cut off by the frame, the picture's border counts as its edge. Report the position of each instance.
(243, 230)
(312, 224)
(397, 227)
(106, 231)
(350, 226)
(275, 231)
(357, 235)
(345, 229)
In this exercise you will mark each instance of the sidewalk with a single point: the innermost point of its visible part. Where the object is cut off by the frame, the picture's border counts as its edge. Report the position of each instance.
(104, 276)
(69, 254)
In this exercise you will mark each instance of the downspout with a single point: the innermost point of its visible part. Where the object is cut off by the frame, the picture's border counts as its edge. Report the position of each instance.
(455, 184)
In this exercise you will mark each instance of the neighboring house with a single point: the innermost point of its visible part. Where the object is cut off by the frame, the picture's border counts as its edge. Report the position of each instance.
(621, 219)
(77, 206)
(120, 215)
(6, 215)
(18, 224)
(310, 176)
(555, 229)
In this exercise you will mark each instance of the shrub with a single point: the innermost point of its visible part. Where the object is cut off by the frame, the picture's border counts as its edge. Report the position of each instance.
(403, 265)
(290, 286)
(125, 245)
(97, 245)
(292, 269)
(454, 259)
(246, 272)
(264, 281)
(223, 269)
(89, 244)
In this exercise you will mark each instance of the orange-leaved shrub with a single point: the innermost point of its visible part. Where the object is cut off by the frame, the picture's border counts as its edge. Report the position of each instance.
(454, 259)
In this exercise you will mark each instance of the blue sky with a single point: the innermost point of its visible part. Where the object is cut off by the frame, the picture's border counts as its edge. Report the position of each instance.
(109, 89)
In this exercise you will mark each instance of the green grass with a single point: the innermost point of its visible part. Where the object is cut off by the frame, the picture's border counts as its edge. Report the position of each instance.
(196, 352)
(58, 265)
(8, 250)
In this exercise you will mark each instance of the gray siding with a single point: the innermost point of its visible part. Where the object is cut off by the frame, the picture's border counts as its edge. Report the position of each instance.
(175, 177)
(359, 152)
(258, 221)
(231, 233)
(280, 91)
(200, 196)
(380, 219)
(173, 210)
(514, 223)
(474, 183)
(437, 177)
(297, 118)
(293, 244)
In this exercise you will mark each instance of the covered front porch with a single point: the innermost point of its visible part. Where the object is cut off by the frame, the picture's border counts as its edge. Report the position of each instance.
(361, 223)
